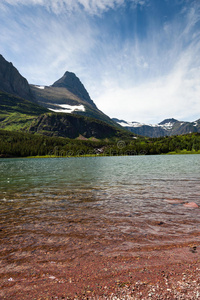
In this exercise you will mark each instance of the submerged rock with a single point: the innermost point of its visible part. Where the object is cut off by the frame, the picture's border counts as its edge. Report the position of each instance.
(191, 204)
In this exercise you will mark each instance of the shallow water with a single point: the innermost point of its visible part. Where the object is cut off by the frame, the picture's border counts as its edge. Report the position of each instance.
(106, 205)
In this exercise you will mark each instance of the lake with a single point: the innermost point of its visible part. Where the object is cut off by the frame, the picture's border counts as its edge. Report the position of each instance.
(102, 205)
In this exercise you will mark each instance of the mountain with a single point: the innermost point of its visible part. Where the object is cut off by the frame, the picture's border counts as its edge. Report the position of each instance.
(73, 84)
(68, 95)
(62, 109)
(11, 81)
(167, 127)
(64, 94)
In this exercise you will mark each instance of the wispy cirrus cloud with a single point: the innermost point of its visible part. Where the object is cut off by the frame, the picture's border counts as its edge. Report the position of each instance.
(44, 45)
(163, 73)
(59, 6)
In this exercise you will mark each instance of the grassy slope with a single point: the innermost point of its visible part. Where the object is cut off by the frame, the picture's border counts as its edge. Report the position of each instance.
(17, 113)
(51, 95)
(12, 104)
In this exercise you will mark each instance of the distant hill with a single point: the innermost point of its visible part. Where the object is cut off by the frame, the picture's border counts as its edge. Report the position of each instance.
(167, 127)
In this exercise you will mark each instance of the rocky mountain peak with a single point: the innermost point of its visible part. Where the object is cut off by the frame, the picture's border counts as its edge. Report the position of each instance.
(11, 81)
(71, 82)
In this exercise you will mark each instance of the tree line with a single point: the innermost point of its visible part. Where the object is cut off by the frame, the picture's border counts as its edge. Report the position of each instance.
(20, 144)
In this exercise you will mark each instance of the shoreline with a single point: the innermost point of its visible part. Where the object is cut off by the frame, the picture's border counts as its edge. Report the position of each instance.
(161, 273)
(155, 275)
(102, 155)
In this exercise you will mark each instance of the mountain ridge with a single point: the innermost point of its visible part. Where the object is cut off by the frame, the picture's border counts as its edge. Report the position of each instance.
(167, 127)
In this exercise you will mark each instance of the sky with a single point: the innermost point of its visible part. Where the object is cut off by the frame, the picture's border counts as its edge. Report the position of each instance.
(138, 59)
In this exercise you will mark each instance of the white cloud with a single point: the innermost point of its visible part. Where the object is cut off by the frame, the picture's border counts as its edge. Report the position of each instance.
(174, 95)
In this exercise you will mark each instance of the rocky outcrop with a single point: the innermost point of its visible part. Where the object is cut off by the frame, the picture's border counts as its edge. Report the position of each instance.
(12, 82)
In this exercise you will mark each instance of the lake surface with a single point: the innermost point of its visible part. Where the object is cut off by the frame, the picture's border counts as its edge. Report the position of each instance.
(106, 205)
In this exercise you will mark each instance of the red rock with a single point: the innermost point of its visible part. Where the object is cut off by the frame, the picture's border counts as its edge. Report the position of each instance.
(191, 204)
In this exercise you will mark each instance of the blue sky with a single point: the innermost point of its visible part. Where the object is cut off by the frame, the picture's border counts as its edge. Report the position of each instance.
(138, 59)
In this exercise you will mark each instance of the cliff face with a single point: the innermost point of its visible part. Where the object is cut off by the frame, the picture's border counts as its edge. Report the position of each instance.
(12, 82)
(71, 126)
(148, 131)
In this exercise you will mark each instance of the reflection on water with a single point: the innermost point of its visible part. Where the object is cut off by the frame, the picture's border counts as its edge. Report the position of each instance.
(103, 204)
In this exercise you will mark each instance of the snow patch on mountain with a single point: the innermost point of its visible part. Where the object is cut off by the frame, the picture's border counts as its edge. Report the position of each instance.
(40, 87)
(130, 124)
(66, 108)
(168, 125)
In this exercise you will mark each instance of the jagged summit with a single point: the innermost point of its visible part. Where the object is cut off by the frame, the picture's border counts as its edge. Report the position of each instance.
(71, 82)
(11, 81)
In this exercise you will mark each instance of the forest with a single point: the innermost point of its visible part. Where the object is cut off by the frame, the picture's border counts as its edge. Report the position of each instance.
(21, 144)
